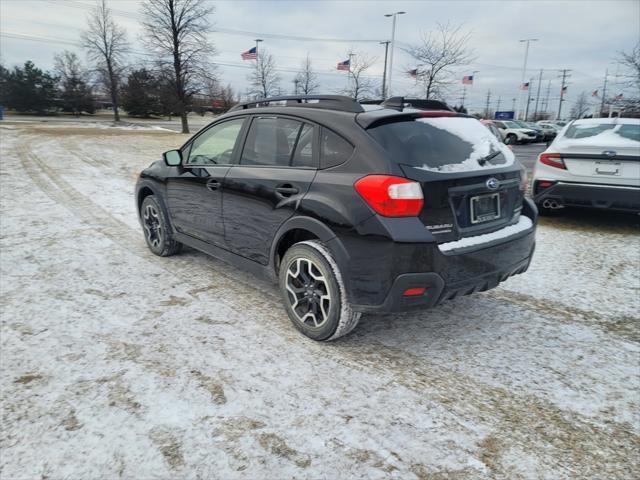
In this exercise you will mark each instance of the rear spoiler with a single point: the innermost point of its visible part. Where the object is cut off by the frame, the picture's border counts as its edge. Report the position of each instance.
(378, 117)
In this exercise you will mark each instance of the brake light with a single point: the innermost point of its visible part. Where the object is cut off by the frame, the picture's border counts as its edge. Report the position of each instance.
(553, 160)
(391, 196)
(414, 292)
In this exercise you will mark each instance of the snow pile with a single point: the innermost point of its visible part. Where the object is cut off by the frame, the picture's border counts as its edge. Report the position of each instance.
(470, 130)
(523, 224)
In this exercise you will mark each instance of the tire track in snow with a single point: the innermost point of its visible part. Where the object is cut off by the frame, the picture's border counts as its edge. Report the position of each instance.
(562, 441)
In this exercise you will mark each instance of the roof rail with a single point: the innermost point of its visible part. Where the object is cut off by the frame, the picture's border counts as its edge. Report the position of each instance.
(327, 102)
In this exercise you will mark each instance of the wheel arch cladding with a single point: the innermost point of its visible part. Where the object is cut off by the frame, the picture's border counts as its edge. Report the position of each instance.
(143, 193)
(294, 230)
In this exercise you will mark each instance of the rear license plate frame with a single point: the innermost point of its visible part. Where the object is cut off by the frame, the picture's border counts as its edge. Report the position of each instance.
(607, 164)
(487, 216)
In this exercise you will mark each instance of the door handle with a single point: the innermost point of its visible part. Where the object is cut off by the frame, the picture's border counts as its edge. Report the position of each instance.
(213, 185)
(286, 190)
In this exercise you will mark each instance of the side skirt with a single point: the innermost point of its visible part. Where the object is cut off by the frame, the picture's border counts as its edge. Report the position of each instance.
(226, 256)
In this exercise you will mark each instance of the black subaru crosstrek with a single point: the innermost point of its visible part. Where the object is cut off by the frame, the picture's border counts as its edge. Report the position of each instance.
(351, 208)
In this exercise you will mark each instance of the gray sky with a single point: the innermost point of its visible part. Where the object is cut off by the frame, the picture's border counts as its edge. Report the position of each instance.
(581, 35)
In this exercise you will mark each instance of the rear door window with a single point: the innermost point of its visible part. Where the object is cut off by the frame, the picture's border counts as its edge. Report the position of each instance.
(442, 144)
(270, 141)
(334, 149)
(303, 156)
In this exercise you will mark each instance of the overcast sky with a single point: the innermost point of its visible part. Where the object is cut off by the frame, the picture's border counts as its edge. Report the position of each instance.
(582, 35)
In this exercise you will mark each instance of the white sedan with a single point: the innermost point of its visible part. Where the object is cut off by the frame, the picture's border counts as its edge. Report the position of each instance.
(592, 162)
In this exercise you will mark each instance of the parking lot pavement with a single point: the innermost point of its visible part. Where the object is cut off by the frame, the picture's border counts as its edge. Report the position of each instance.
(528, 153)
(118, 363)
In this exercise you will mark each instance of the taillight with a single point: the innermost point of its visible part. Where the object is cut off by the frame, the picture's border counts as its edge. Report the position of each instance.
(553, 160)
(391, 196)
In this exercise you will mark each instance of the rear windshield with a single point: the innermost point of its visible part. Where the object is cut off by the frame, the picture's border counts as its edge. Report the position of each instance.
(442, 144)
(628, 131)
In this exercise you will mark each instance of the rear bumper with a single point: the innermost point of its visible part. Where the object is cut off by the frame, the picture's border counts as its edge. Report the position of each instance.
(379, 272)
(613, 197)
(438, 290)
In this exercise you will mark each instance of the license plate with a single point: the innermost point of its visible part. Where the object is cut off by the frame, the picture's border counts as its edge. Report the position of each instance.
(607, 168)
(485, 208)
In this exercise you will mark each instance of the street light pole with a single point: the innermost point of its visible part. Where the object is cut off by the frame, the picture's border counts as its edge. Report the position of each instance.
(384, 75)
(524, 72)
(535, 112)
(393, 43)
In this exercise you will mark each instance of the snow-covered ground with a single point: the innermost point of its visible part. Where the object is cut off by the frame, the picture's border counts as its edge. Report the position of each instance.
(117, 363)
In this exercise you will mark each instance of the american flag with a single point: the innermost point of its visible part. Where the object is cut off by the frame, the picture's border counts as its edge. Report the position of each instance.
(524, 86)
(595, 93)
(251, 54)
(618, 97)
(564, 90)
(467, 80)
(413, 73)
(344, 65)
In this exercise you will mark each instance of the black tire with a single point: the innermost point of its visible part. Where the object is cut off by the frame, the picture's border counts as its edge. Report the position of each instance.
(511, 139)
(157, 229)
(332, 308)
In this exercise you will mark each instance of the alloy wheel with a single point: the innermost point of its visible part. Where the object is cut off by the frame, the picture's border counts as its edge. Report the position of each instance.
(152, 225)
(308, 292)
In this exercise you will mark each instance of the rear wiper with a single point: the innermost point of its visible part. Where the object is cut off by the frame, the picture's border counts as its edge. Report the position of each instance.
(484, 160)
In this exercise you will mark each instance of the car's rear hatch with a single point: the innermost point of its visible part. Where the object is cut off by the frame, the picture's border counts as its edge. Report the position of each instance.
(605, 153)
(470, 183)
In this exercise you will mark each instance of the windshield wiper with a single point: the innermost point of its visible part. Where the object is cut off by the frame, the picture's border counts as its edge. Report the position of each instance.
(484, 160)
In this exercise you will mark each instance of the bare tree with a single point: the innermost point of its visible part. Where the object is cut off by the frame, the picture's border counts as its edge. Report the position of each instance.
(360, 84)
(106, 44)
(438, 55)
(264, 79)
(75, 93)
(581, 106)
(631, 62)
(307, 79)
(227, 97)
(176, 31)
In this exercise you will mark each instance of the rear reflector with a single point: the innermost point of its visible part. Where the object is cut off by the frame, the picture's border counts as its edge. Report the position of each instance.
(391, 196)
(553, 160)
(545, 184)
(414, 292)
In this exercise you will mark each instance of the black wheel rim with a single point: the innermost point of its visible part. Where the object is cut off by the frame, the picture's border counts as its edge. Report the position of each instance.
(308, 292)
(152, 226)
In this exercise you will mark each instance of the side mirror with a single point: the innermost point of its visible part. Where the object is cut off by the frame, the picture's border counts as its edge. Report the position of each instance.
(173, 158)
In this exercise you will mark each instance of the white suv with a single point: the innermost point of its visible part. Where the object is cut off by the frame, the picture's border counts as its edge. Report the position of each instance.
(514, 133)
(592, 162)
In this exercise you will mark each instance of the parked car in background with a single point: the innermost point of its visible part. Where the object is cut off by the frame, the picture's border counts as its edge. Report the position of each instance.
(514, 133)
(556, 123)
(550, 131)
(532, 126)
(349, 209)
(592, 163)
(493, 129)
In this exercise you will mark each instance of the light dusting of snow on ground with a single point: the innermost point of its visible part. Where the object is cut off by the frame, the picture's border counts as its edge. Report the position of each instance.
(117, 363)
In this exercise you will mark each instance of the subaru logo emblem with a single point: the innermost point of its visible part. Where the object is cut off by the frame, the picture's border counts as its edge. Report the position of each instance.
(609, 153)
(493, 183)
